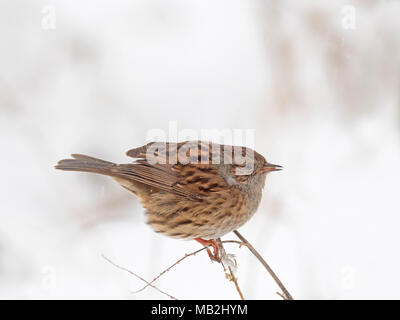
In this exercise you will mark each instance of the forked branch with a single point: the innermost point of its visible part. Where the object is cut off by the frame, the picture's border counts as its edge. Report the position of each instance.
(139, 277)
(231, 276)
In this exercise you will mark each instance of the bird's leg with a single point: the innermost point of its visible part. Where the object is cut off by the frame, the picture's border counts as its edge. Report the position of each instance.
(213, 256)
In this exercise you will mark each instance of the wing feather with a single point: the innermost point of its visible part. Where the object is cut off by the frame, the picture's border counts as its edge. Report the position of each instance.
(194, 181)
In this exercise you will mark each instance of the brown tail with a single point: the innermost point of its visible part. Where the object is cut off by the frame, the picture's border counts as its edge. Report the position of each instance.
(84, 163)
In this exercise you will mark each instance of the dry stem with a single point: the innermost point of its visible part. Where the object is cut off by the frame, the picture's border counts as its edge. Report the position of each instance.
(286, 295)
(231, 275)
(139, 277)
(234, 279)
(180, 260)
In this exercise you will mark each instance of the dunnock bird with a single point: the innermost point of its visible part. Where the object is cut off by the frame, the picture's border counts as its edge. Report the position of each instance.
(190, 190)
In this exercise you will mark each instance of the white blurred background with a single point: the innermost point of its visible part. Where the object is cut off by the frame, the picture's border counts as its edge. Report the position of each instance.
(317, 80)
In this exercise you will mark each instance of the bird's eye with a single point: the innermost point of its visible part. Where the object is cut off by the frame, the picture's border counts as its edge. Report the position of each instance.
(244, 170)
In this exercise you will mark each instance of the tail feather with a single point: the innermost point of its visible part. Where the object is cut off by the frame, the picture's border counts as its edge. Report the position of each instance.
(85, 163)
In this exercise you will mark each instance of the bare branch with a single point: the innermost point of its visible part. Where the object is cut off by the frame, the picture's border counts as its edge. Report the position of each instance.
(286, 295)
(169, 268)
(139, 277)
(224, 257)
(231, 276)
(180, 260)
(234, 279)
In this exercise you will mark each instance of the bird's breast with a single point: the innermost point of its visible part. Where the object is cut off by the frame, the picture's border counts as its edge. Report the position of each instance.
(216, 215)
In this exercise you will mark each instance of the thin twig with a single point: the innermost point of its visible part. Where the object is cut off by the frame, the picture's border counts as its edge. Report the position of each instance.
(234, 279)
(180, 260)
(169, 268)
(230, 275)
(139, 277)
(281, 295)
(240, 243)
(286, 294)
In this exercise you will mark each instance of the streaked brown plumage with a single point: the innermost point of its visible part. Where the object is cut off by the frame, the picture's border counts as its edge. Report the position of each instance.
(185, 199)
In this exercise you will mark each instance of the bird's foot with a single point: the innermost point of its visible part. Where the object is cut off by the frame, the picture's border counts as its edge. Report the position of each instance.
(213, 256)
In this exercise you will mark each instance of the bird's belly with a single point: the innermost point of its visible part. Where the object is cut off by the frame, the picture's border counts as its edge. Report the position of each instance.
(209, 219)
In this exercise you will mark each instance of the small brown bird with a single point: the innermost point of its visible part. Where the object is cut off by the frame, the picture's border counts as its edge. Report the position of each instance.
(190, 190)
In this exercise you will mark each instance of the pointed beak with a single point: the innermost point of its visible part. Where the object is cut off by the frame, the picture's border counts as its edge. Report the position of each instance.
(269, 167)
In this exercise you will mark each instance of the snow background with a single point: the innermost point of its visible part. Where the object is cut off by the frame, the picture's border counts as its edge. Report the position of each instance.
(324, 102)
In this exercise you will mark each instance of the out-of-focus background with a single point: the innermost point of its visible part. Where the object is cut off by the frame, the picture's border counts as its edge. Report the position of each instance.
(318, 81)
